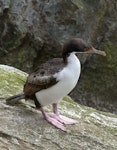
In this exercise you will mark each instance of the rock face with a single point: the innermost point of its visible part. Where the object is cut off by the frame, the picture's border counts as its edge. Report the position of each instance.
(23, 128)
(32, 31)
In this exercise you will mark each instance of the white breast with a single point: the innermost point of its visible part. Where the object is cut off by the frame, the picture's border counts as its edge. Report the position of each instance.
(67, 78)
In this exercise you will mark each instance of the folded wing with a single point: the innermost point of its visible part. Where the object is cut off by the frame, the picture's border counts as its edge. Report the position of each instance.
(43, 77)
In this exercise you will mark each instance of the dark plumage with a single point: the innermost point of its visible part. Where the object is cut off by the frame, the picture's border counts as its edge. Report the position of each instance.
(53, 80)
(43, 77)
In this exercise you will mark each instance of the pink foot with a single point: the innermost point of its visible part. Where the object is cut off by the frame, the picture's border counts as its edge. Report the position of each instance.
(55, 123)
(63, 119)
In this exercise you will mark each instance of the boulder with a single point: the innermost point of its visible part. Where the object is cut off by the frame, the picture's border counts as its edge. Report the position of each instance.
(22, 126)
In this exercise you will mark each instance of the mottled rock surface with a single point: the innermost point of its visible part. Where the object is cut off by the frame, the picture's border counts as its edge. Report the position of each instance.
(23, 128)
(32, 31)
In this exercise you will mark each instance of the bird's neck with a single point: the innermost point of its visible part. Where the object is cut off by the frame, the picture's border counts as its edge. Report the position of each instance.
(69, 57)
(73, 66)
(72, 59)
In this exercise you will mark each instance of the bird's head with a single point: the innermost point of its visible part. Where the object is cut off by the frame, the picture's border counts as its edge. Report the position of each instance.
(77, 45)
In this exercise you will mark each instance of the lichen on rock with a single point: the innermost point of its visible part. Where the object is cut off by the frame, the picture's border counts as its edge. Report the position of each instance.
(22, 126)
(11, 81)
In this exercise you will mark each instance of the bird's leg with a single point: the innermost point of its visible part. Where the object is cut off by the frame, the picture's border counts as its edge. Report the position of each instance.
(52, 121)
(55, 109)
(60, 118)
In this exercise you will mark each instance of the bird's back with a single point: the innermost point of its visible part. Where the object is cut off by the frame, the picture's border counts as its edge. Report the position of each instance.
(43, 76)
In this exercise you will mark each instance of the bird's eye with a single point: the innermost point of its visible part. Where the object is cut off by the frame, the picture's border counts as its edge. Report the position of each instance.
(86, 49)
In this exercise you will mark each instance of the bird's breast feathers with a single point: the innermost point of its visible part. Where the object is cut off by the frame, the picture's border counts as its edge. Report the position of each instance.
(51, 83)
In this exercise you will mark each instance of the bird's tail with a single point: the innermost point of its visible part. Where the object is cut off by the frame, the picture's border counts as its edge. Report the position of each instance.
(15, 98)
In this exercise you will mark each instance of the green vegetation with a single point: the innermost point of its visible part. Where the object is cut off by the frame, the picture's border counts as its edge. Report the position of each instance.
(11, 82)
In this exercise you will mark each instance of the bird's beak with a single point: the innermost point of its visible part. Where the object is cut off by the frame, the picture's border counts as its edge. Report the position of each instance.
(93, 50)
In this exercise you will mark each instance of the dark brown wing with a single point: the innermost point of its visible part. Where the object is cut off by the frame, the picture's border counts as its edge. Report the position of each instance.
(43, 76)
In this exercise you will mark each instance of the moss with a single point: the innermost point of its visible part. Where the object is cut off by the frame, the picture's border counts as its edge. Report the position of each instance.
(11, 81)
(12, 38)
(110, 49)
(100, 13)
(79, 3)
(102, 75)
(100, 27)
(69, 100)
(24, 57)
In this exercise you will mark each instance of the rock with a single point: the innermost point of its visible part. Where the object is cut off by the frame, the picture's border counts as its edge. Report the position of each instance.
(22, 126)
(11, 81)
(34, 31)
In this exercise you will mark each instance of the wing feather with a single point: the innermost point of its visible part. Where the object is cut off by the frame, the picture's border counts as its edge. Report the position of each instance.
(43, 77)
